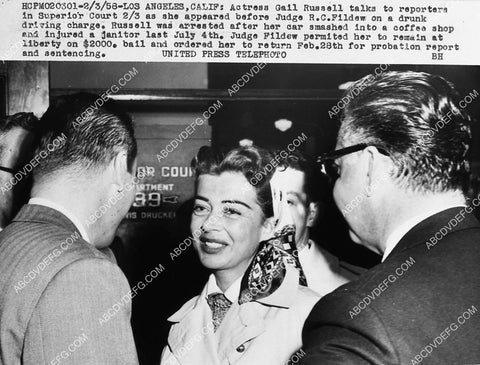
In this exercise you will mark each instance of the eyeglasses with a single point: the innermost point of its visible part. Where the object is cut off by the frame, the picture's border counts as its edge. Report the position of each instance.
(327, 161)
(7, 169)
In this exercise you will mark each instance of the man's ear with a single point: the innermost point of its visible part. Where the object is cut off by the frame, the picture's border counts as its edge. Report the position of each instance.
(268, 228)
(120, 170)
(313, 213)
(373, 172)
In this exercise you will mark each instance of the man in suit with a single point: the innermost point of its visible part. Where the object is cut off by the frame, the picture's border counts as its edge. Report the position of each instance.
(402, 170)
(18, 140)
(63, 296)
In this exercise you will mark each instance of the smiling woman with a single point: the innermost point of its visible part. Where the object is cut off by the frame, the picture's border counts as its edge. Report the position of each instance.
(227, 244)
(233, 225)
(241, 213)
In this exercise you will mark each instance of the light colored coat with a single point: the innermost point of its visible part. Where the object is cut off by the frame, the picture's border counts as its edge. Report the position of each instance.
(267, 331)
(55, 289)
(322, 269)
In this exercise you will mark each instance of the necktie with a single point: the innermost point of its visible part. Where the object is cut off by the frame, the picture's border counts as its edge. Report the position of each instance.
(219, 304)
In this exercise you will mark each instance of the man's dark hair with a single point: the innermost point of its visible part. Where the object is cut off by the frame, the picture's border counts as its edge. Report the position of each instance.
(315, 186)
(249, 161)
(93, 131)
(27, 121)
(417, 119)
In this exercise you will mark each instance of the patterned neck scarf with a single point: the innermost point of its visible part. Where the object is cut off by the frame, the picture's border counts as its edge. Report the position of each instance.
(269, 266)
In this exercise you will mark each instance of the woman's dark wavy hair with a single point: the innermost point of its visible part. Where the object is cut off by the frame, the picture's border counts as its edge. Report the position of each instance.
(418, 118)
(248, 161)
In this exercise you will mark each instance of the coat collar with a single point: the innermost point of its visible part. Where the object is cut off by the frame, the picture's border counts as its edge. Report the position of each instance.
(190, 306)
(34, 213)
(282, 297)
(286, 293)
(191, 337)
(65, 211)
(426, 229)
(241, 324)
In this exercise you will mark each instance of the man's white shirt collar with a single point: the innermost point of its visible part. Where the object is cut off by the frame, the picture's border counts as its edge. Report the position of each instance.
(398, 233)
(48, 203)
(231, 293)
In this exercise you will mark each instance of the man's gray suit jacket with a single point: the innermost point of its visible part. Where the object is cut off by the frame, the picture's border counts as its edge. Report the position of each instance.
(62, 300)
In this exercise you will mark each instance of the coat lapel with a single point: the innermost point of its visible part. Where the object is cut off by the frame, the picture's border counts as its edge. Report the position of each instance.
(241, 324)
(245, 322)
(191, 339)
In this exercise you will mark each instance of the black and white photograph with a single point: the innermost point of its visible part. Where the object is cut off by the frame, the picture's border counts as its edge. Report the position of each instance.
(249, 205)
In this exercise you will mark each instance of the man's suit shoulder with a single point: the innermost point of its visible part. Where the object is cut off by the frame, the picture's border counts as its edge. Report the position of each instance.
(50, 273)
(415, 263)
(32, 254)
(38, 240)
(380, 313)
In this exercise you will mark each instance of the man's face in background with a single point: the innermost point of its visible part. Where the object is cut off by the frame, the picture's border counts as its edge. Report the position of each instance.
(303, 212)
(17, 147)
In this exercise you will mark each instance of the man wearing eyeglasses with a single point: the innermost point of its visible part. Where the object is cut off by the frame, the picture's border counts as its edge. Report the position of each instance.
(402, 158)
(17, 145)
